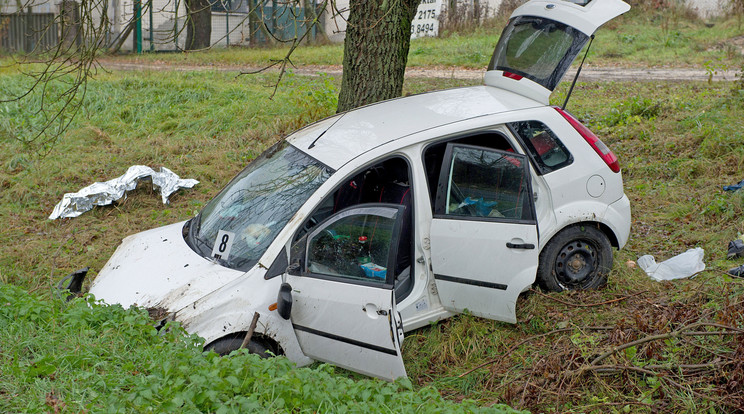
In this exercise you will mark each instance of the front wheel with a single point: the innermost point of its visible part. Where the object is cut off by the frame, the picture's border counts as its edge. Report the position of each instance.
(579, 257)
(225, 345)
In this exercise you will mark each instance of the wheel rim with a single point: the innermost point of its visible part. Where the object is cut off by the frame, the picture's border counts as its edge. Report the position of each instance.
(576, 263)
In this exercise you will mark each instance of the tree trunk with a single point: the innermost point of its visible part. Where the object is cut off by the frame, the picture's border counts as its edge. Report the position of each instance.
(378, 36)
(70, 22)
(198, 24)
(311, 17)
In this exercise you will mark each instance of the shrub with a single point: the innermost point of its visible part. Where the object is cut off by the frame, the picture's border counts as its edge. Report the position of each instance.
(632, 110)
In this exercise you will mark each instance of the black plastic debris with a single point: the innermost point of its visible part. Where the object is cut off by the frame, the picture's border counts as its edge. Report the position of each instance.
(734, 187)
(735, 249)
(737, 271)
(74, 283)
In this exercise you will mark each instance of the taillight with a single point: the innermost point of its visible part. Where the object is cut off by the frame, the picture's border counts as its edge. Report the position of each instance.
(511, 75)
(602, 150)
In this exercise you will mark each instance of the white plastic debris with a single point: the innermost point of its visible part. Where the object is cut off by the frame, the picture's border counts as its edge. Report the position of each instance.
(101, 194)
(678, 267)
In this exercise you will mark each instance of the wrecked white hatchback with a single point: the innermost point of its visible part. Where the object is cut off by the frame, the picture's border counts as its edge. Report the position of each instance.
(383, 219)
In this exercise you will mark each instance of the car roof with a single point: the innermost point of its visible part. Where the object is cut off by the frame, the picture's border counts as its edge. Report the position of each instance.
(337, 140)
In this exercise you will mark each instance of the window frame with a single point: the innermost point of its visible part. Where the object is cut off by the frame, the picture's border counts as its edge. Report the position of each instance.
(300, 250)
(337, 186)
(440, 201)
(540, 167)
(495, 130)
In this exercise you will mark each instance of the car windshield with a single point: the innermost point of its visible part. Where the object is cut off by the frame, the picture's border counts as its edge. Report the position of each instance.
(537, 48)
(257, 204)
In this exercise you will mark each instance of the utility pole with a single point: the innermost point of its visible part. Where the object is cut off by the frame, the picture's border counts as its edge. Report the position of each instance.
(152, 32)
(138, 26)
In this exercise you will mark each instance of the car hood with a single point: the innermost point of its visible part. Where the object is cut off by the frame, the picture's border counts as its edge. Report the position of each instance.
(157, 269)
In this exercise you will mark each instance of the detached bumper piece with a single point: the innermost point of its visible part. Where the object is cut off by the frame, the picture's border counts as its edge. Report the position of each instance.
(735, 249)
(73, 283)
(737, 271)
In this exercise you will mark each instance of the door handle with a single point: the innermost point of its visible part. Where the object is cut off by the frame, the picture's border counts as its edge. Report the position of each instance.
(525, 246)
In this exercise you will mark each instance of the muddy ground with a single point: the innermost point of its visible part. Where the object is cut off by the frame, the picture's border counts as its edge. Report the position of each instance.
(588, 73)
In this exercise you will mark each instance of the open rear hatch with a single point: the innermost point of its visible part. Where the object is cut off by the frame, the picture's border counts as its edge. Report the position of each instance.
(541, 41)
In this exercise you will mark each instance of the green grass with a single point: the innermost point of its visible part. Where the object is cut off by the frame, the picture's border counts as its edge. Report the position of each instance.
(678, 143)
(85, 357)
(207, 127)
(670, 38)
(642, 37)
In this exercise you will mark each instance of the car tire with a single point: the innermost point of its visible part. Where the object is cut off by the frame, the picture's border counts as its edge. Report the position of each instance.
(579, 257)
(225, 345)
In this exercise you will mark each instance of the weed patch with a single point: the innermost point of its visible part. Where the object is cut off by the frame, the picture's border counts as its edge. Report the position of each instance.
(632, 110)
(85, 356)
(678, 144)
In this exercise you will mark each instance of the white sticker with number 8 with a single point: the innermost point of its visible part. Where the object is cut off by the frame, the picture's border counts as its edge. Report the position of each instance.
(223, 244)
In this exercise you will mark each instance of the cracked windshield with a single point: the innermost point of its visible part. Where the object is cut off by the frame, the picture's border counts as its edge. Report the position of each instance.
(257, 204)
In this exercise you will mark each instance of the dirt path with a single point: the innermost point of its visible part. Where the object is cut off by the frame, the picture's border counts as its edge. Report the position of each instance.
(588, 74)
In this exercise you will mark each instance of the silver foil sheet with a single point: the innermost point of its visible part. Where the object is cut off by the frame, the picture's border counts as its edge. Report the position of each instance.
(101, 194)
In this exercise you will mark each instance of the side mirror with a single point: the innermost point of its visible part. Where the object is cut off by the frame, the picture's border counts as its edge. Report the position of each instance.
(284, 301)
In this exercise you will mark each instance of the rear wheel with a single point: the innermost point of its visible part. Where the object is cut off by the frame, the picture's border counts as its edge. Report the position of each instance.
(579, 257)
(227, 344)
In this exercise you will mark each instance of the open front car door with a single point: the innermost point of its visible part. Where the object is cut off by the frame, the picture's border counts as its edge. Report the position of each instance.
(343, 310)
(484, 233)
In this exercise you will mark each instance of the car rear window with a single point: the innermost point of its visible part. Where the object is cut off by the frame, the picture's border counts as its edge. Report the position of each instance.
(537, 48)
(544, 147)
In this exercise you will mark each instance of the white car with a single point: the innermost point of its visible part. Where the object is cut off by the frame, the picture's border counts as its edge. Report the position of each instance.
(386, 218)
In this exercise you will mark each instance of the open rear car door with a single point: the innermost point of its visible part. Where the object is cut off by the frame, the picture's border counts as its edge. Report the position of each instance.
(484, 233)
(541, 41)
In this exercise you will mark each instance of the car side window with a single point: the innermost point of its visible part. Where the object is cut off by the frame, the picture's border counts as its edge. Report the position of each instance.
(484, 183)
(547, 151)
(434, 154)
(387, 182)
(356, 247)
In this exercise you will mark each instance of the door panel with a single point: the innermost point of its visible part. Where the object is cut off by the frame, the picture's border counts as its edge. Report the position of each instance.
(347, 325)
(484, 235)
(343, 310)
(475, 270)
(541, 41)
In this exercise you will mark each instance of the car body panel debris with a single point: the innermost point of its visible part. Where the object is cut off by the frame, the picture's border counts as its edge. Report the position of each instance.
(101, 194)
(393, 216)
(680, 266)
(737, 271)
(734, 187)
(736, 248)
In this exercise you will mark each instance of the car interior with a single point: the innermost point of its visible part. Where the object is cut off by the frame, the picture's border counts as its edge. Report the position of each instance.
(385, 182)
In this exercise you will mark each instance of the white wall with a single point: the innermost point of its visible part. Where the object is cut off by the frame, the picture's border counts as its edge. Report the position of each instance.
(335, 23)
(708, 8)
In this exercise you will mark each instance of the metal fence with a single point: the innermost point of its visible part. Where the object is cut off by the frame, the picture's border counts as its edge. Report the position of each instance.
(161, 24)
(28, 32)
